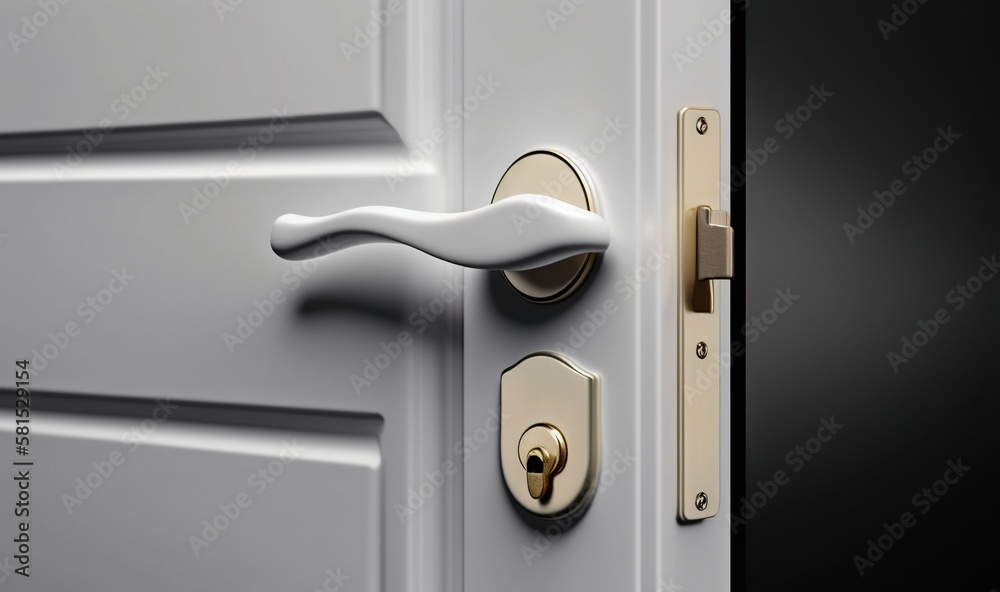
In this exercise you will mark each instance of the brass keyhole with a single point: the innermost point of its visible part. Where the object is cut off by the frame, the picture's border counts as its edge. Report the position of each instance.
(540, 469)
(544, 456)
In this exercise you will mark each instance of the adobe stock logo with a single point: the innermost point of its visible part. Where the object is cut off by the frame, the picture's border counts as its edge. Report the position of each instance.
(31, 26)
(105, 468)
(374, 366)
(453, 118)
(544, 539)
(292, 280)
(562, 12)
(230, 510)
(913, 168)
(877, 546)
(248, 150)
(365, 36)
(711, 30)
(88, 310)
(899, 16)
(334, 581)
(796, 459)
(595, 319)
(434, 481)
(958, 297)
(123, 105)
(787, 127)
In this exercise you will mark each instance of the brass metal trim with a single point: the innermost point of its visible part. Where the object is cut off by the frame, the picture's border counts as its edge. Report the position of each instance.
(549, 402)
(699, 339)
(715, 245)
(552, 173)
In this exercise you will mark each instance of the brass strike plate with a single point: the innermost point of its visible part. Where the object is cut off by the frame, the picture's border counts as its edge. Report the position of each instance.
(698, 400)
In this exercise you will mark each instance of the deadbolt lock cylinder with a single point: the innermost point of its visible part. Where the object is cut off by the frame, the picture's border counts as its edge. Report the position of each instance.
(544, 459)
(550, 439)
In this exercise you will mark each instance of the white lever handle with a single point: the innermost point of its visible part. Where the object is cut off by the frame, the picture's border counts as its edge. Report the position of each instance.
(521, 232)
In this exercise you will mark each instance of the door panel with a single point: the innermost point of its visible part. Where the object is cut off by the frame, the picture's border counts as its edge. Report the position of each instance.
(155, 247)
(595, 81)
(186, 61)
(134, 512)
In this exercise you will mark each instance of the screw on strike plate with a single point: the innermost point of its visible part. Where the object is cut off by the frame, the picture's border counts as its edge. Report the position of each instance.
(701, 501)
(701, 125)
(701, 349)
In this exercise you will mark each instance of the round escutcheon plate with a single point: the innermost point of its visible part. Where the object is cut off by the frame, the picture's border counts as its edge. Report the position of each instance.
(547, 172)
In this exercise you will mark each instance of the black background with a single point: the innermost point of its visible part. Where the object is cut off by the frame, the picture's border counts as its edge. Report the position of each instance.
(827, 356)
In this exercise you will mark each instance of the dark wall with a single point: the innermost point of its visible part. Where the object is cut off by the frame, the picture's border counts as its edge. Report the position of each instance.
(893, 331)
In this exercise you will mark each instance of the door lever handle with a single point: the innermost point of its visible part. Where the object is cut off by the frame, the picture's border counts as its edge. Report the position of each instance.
(521, 232)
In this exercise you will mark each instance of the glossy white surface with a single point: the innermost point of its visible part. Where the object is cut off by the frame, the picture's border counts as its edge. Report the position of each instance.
(520, 232)
(184, 61)
(597, 80)
(208, 271)
(144, 527)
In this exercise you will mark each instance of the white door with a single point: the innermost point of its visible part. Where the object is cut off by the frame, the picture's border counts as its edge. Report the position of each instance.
(205, 415)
